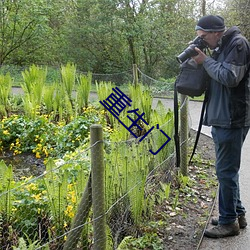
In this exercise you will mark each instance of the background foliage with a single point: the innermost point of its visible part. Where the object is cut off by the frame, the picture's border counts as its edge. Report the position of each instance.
(106, 36)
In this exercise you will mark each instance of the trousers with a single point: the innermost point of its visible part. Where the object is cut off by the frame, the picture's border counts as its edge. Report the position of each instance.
(228, 146)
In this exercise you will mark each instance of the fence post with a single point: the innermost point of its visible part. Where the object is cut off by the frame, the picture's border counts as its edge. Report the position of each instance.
(98, 196)
(80, 218)
(135, 74)
(184, 135)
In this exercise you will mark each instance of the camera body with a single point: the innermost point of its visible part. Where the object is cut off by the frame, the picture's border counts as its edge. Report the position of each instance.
(190, 51)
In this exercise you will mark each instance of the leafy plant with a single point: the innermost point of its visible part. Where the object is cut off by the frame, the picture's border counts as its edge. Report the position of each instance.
(141, 99)
(83, 91)
(5, 90)
(48, 98)
(6, 184)
(22, 245)
(68, 74)
(30, 208)
(164, 191)
(56, 184)
(164, 118)
(147, 241)
(104, 89)
(34, 81)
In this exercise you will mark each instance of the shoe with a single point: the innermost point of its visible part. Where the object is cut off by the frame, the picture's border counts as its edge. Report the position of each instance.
(221, 231)
(241, 219)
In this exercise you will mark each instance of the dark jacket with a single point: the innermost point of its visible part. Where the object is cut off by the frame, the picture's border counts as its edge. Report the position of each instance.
(229, 90)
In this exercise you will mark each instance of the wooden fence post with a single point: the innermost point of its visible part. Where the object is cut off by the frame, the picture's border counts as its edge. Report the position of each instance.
(135, 74)
(98, 195)
(80, 218)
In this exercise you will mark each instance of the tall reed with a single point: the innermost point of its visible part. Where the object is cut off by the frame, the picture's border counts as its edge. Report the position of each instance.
(104, 89)
(48, 98)
(62, 106)
(83, 91)
(33, 86)
(56, 184)
(141, 99)
(6, 184)
(126, 172)
(68, 74)
(165, 119)
(5, 90)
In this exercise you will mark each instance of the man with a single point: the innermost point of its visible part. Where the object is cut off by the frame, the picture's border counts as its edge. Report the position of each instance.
(228, 112)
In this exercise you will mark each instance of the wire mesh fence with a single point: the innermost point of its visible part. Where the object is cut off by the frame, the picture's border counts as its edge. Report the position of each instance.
(46, 211)
(57, 209)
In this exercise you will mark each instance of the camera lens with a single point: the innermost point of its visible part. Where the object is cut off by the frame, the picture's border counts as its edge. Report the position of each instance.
(187, 53)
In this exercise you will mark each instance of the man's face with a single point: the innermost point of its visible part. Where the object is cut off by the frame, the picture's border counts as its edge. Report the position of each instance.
(211, 38)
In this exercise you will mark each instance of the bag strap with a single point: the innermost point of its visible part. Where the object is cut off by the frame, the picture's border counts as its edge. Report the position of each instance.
(199, 127)
(176, 126)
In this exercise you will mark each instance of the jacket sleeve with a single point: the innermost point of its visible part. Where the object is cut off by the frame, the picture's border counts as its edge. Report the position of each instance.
(234, 66)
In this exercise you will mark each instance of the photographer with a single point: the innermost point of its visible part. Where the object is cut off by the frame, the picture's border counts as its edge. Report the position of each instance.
(228, 112)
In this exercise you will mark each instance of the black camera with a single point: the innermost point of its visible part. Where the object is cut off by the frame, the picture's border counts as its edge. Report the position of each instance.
(190, 51)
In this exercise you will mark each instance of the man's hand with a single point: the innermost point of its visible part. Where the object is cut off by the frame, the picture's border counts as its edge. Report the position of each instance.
(200, 58)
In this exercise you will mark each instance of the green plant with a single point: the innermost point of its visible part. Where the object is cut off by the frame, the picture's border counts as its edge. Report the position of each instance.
(127, 165)
(28, 244)
(126, 172)
(141, 99)
(164, 191)
(5, 90)
(68, 74)
(83, 91)
(6, 184)
(104, 89)
(43, 137)
(184, 181)
(34, 81)
(30, 207)
(176, 199)
(147, 241)
(48, 98)
(165, 119)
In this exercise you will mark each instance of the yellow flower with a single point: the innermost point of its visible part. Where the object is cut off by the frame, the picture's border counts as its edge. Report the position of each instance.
(73, 199)
(14, 209)
(37, 196)
(45, 151)
(6, 132)
(38, 156)
(31, 187)
(69, 211)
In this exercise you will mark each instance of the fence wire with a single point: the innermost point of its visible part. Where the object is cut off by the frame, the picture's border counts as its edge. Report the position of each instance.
(40, 211)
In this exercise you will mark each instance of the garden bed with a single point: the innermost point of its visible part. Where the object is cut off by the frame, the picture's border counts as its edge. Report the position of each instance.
(178, 222)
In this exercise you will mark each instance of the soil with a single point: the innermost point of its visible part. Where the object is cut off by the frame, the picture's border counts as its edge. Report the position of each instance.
(186, 223)
(25, 164)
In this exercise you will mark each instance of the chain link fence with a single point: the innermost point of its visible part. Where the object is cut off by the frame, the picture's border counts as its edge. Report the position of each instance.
(95, 202)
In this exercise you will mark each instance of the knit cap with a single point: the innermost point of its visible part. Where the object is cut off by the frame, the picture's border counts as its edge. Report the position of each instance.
(210, 23)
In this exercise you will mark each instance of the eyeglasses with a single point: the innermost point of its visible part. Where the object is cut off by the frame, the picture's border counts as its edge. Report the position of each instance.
(204, 35)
